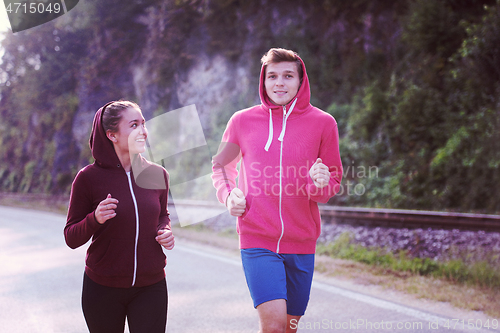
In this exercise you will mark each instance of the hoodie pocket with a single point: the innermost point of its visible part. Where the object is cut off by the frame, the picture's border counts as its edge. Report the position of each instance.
(116, 260)
(300, 225)
(262, 218)
(151, 258)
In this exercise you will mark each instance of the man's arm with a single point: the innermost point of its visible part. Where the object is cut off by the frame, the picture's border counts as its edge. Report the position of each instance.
(224, 171)
(320, 188)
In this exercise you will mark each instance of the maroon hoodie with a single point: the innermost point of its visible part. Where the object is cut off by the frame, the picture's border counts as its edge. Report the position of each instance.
(123, 252)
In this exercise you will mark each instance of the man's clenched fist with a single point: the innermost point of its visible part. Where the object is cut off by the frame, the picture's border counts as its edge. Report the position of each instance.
(236, 202)
(320, 174)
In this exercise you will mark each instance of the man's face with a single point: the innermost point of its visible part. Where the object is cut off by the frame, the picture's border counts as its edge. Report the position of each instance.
(282, 82)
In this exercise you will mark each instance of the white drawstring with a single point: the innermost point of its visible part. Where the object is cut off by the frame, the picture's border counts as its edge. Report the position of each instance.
(285, 118)
(270, 138)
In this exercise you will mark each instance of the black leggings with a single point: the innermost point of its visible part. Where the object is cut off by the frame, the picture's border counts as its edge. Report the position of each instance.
(105, 308)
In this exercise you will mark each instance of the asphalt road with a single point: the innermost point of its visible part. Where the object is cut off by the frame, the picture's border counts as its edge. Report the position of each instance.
(40, 286)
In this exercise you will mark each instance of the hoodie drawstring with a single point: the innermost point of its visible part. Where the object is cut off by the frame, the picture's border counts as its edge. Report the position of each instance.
(285, 118)
(270, 138)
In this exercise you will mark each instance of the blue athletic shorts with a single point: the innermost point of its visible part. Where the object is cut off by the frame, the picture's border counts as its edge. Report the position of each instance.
(273, 276)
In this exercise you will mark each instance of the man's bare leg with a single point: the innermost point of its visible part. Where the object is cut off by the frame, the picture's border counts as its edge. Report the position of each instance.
(274, 319)
(292, 321)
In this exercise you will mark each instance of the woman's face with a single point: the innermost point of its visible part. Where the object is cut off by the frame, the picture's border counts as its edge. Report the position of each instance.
(132, 132)
(282, 82)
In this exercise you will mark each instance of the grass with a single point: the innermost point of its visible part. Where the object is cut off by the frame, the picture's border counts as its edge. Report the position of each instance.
(471, 286)
(462, 296)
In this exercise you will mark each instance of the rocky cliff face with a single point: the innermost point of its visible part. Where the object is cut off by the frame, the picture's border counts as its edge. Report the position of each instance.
(165, 55)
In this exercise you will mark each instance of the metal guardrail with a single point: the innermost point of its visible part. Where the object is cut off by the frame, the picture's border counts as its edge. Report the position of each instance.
(410, 219)
(396, 218)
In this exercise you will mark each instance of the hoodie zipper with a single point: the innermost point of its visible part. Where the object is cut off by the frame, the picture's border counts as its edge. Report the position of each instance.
(281, 178)
(136, 227)
(280, 138)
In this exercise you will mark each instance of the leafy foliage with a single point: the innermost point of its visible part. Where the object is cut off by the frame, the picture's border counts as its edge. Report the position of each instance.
(430, 128)
(414, 86)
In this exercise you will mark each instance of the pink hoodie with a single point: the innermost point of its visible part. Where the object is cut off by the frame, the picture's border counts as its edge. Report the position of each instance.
(277, 145)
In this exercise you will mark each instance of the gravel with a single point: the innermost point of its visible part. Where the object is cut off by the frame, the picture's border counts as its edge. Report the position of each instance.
(437, 244)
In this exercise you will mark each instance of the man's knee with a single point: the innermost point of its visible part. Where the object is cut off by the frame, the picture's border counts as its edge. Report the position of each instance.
(273, 317)
(274, 327)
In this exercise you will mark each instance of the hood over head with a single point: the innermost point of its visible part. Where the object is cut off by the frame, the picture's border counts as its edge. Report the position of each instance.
(297, 106)
(102, 148)
(303, 95)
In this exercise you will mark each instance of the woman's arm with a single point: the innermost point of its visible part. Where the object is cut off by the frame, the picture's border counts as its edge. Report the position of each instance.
(164, 219)
(165, 236)
(81, 222)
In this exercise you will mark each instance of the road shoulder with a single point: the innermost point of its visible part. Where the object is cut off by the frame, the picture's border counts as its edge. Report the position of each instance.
(356, 277)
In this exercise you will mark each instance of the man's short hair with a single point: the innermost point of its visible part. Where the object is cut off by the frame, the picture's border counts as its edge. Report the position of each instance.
(276, 55)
